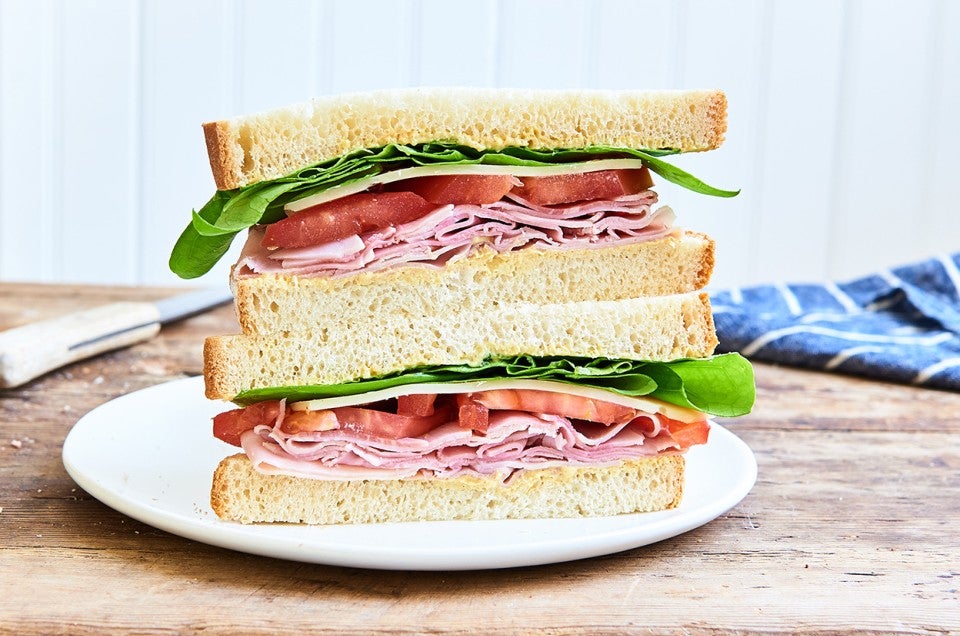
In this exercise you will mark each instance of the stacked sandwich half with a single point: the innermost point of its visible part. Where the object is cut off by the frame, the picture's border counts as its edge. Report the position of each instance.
(461, 304)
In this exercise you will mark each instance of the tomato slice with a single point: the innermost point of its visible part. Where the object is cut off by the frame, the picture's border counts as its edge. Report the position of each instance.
(635, 180)
(308, 422)
(475, 189)
(587, 186)
(411, 199)
(340, 218)
(472, 414)
(416, 404)
(230, 425)
(472, 410)
(373, 423)
(687, 434)
(563, 404)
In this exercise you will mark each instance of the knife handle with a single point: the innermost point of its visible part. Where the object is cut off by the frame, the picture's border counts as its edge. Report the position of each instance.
(31, 350)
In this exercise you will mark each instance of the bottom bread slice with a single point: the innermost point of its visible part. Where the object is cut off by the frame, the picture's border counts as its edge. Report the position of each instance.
(241, 493)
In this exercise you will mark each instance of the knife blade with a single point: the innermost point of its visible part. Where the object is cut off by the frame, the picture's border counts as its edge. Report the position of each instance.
(31, 350)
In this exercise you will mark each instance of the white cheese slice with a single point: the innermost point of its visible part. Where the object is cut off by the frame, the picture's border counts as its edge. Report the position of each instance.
(646, 404)
(431, 171)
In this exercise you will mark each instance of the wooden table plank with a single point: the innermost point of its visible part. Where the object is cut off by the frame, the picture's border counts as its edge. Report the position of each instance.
(852, 526)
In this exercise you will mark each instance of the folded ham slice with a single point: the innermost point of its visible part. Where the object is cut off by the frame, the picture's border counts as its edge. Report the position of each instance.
(453, 231)
(514, 440)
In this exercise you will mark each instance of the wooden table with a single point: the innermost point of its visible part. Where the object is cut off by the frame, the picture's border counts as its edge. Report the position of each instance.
(852, 526)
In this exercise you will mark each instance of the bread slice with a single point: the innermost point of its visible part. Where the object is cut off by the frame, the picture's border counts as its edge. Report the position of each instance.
(240, 493)
(482, 283)
(245, 150)
(654, 328)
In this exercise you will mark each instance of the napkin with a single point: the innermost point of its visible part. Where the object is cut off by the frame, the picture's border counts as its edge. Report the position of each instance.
(900, 324)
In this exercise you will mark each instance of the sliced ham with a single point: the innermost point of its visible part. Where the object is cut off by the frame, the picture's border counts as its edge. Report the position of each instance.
(514, 440)
(451, 232)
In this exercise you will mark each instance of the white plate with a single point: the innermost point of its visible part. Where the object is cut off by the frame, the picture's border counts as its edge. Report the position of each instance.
(151, 455)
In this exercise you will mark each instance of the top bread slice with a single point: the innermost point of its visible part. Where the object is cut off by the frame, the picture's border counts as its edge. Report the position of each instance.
(268, 145)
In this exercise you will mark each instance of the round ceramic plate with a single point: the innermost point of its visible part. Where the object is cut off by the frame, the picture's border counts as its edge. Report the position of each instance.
(151, 455)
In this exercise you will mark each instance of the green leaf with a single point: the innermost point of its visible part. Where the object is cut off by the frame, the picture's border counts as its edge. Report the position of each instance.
(247, 207)
(675, 175)
(202, 252)
(194, 254)
(650, 158)
(204, 228)
(728, 388)
(722, 385)
(229, 212)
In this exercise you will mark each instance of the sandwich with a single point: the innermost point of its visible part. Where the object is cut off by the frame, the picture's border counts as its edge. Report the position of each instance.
(461, 304)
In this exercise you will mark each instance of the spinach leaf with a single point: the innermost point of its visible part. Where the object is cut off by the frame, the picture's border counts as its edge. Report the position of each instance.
(194, 253)
(722, 385)
(211, 230)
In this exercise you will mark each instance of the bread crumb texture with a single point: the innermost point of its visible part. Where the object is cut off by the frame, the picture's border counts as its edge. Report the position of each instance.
(241, 493)
(244, 150)
(652, 328)
(481, 283)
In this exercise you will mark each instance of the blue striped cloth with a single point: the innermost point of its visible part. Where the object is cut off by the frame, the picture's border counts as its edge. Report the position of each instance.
(900, 325)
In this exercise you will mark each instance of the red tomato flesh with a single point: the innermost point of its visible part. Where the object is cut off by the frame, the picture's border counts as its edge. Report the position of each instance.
(589, 186)
(472, 414)
(417, 404)
(308, 421)
(471, 410)
(230, 425)
(475, 189)
(338, 219)
(635, 180)
(371, 423)
(687, 434)
(565, 405)
(411, 199)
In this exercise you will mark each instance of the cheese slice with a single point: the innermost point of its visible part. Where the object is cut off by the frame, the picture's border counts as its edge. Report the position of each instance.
(391, 176)
(646, 404)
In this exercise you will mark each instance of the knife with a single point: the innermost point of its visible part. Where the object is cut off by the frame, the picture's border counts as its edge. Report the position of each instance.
(31, 350)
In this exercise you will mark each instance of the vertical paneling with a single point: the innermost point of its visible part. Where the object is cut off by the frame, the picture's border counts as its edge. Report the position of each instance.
(725, 45)
(456, 43)
(182, 85)
(884, 147)
(277, 53)
(842, 132)
(797, 143)
(372, 45)
(99, 86)
(29, 134)
(542, 43)
(628, 57)
(939, 212)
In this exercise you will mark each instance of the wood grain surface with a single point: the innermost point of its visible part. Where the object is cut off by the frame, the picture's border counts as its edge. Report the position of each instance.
(851, 527)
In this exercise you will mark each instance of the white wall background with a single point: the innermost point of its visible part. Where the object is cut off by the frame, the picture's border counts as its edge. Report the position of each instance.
(844, 126)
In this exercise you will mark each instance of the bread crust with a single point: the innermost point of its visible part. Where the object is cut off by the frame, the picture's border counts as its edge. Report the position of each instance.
(220, 152)
(240, 493)
(718, 115)
(245, 150)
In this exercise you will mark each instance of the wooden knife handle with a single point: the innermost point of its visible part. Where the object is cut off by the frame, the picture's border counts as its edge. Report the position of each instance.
(31, 350)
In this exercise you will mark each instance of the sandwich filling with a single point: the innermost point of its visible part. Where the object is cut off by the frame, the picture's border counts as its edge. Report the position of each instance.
(495, 419)
(438, 219)
(350, 208)
(502, 428)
